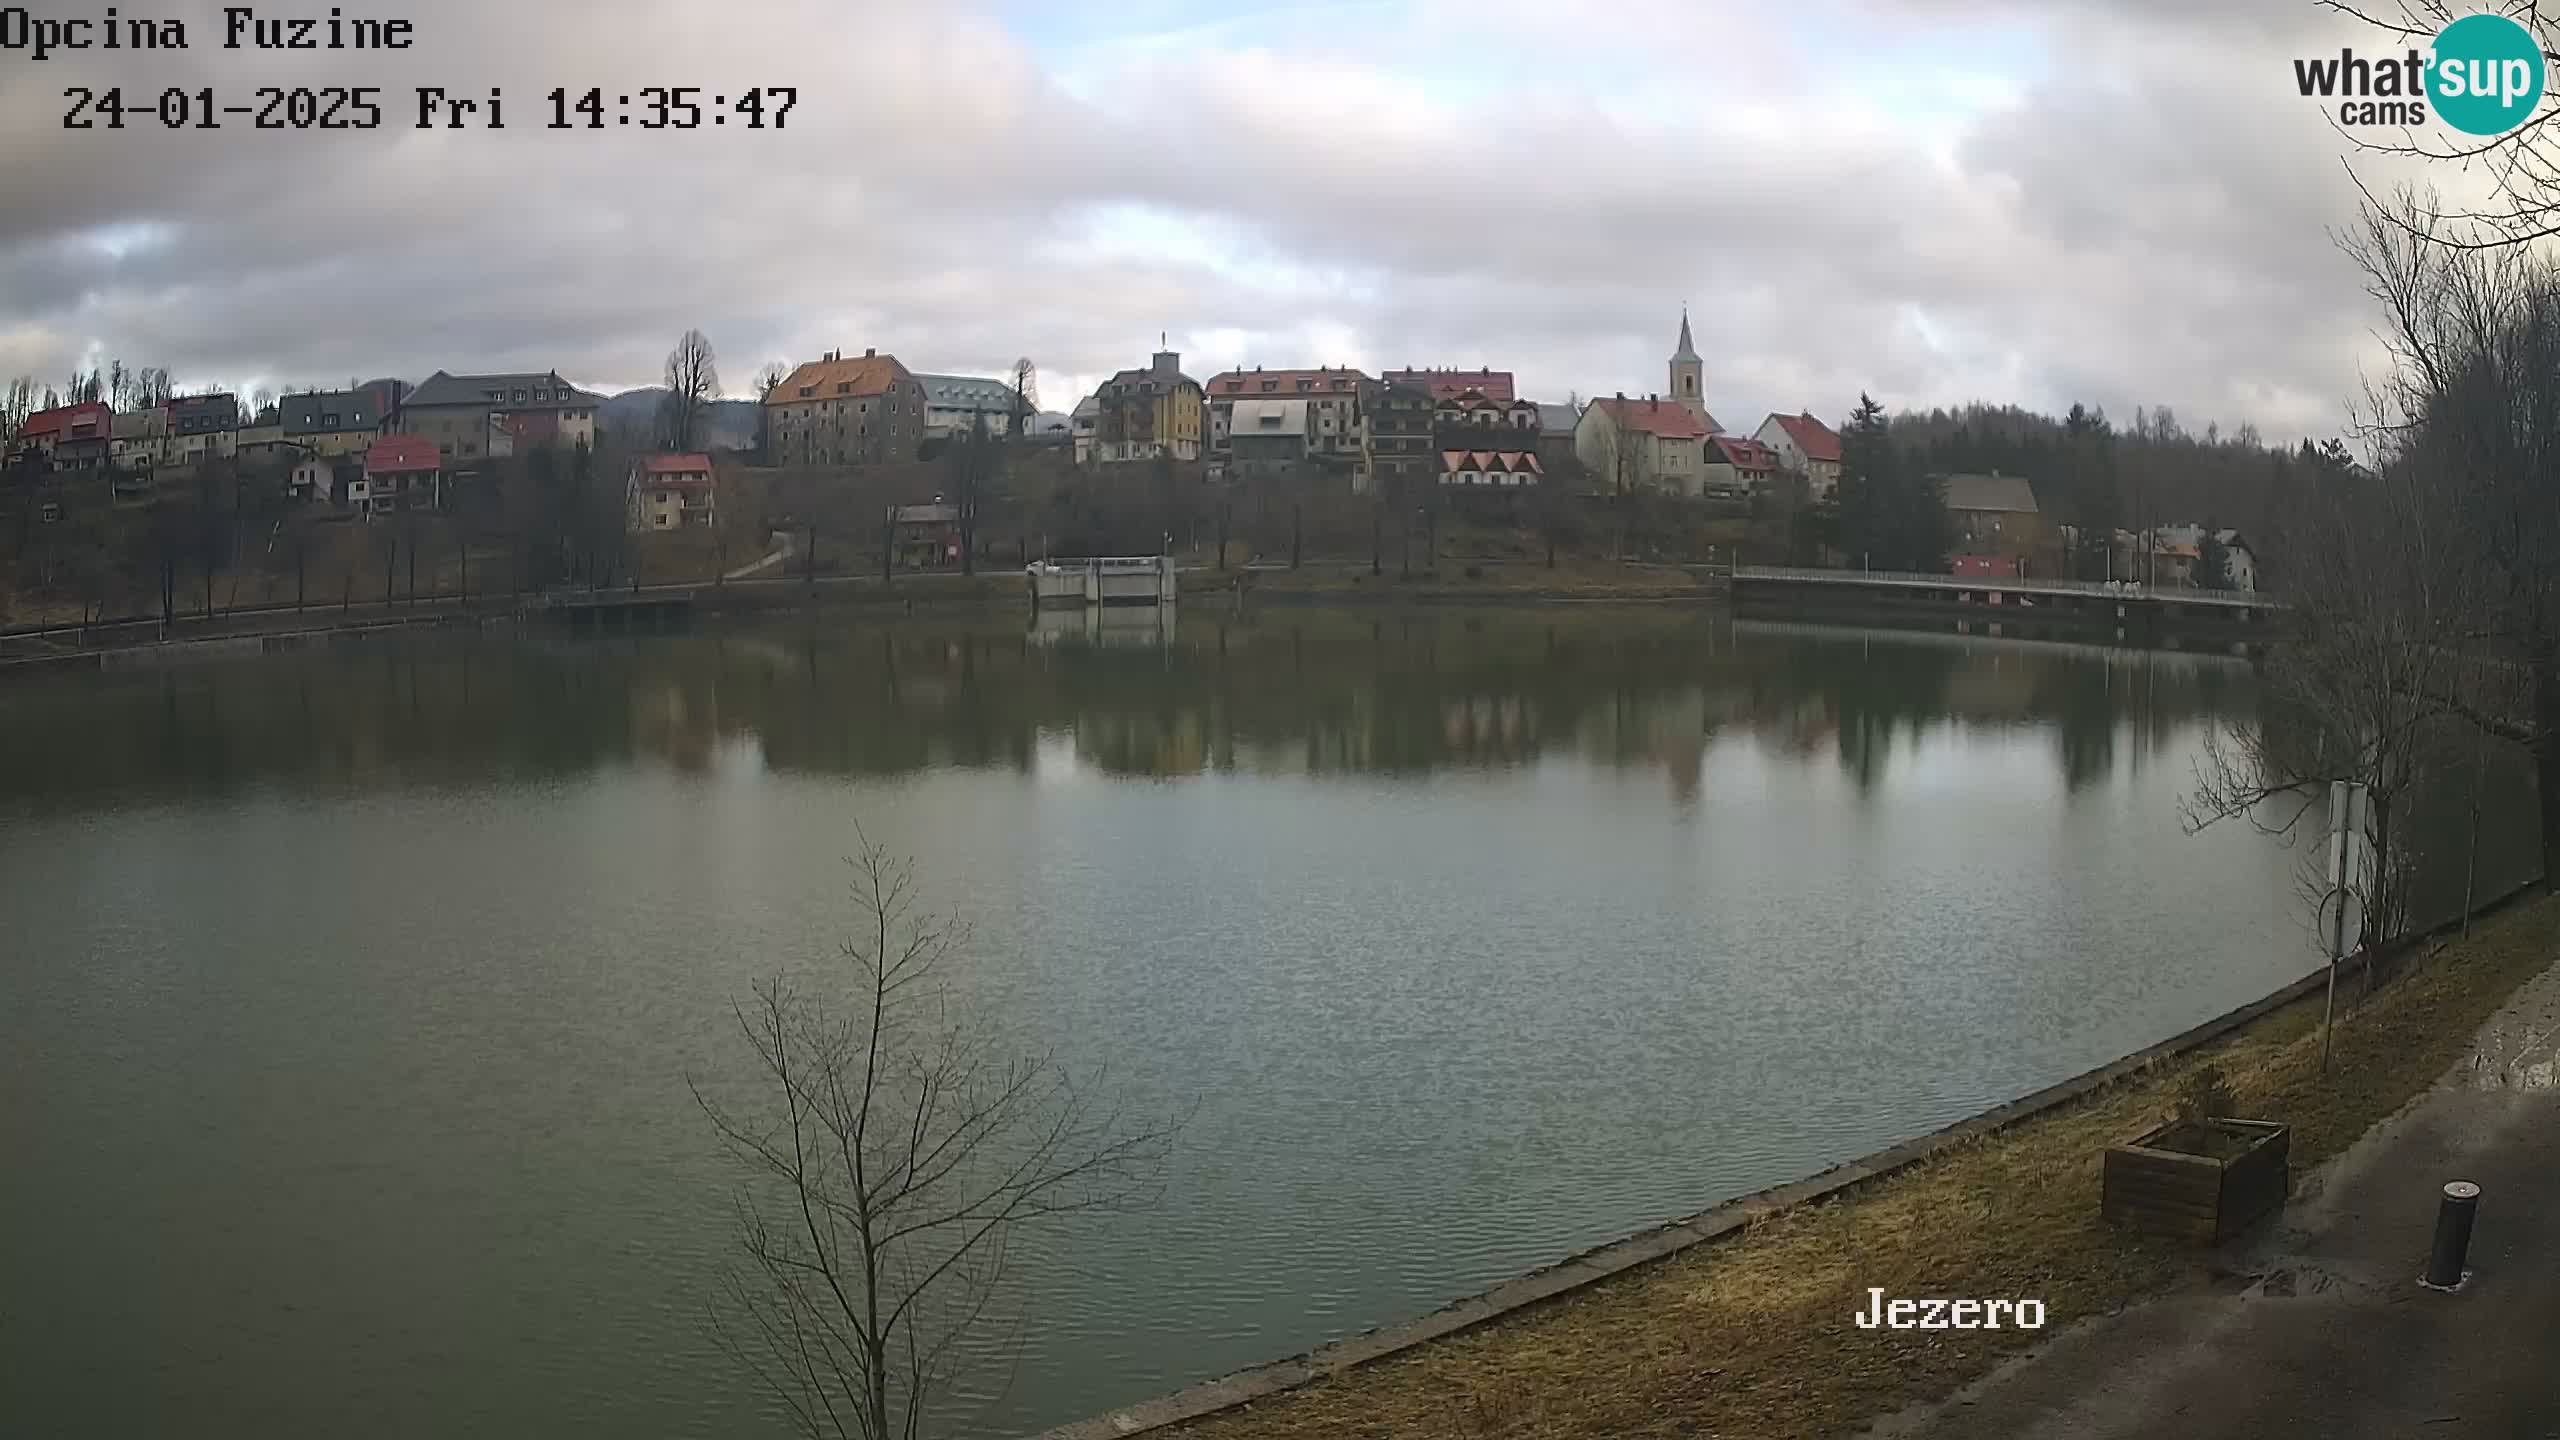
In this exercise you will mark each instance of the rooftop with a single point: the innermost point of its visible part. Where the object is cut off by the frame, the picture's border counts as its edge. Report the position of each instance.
(546, 388)
(2001, 494)
(1496, 384)
(1817, 440)
(401, 452)
(1744, 453)
(1258, 381)
(973, 391)
(1655, 416)
(858, 376)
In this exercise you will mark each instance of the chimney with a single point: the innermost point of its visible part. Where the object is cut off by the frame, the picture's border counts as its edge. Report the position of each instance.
(868, 352)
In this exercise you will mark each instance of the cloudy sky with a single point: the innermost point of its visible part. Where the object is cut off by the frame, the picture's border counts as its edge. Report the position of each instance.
(2040, 201)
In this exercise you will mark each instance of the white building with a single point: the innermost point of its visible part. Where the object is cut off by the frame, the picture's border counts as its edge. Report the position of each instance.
(1806, 447)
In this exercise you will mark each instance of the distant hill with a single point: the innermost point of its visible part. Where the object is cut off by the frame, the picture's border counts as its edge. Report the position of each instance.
(731, 424)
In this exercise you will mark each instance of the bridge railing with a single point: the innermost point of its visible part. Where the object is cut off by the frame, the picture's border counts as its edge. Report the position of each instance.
(2124, 589)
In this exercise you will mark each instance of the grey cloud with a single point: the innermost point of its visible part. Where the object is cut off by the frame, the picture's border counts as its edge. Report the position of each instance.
(2157, 238)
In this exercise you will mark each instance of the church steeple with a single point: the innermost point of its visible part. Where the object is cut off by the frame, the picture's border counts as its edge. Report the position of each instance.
(1688, 372)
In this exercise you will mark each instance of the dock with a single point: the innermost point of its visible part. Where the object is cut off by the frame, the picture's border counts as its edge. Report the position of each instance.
(1109, 580)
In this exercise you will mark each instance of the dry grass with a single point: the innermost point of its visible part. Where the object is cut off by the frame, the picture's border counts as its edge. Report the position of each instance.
(1752, 1336)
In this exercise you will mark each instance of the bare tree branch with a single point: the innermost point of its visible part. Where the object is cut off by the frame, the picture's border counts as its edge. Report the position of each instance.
(907, 1152)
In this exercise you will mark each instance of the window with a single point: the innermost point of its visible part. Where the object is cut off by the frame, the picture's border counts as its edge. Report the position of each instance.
(808, 390)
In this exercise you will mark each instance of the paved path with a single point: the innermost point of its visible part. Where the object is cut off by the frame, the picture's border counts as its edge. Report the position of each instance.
(2329, 1334)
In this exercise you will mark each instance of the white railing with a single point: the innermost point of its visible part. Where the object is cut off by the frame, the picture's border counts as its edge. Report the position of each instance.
(2008, 585)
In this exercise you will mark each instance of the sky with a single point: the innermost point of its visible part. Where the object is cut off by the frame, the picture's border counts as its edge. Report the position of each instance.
(2117, 202)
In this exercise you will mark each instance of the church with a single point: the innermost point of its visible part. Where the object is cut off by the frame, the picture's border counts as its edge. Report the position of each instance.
(1655, 443)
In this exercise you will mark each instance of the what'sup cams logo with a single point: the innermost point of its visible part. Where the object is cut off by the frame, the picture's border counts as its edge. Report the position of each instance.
(2482, 76)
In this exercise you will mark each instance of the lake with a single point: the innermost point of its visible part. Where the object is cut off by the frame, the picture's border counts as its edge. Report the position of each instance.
(348, 997)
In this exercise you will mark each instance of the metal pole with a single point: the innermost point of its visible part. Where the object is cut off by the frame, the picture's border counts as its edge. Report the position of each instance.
(2454, 1214)
(2471, 864)
(2340, 801)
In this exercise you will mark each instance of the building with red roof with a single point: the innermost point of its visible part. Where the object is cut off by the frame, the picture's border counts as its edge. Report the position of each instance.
(401, 472)
(670, 492)
(1332, 399)
(1647, 444)
(1806, 446)
(1738, 465)
(68, 437)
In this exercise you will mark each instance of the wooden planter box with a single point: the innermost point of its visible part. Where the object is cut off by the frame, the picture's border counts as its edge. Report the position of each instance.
(2197, 1180)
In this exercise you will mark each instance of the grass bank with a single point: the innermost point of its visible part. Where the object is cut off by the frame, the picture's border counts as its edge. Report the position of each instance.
(1751, 1336)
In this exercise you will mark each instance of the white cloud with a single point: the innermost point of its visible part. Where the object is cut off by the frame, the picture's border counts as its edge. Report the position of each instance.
(1932, 200)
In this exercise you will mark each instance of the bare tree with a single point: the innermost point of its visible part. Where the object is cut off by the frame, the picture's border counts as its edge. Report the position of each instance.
(892, 1155)
(1026, 395)
(2521, 166)
(2474, 334)
(767, 380)
(693, 382)
(2354, 689)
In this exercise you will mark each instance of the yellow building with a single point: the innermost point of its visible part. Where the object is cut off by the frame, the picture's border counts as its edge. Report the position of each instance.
(1150, 414)
(671, 492)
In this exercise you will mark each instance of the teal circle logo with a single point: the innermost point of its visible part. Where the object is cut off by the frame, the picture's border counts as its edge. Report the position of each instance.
(2485, 76)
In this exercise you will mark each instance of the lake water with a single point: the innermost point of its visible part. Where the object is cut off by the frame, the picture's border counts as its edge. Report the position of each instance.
(347, 998)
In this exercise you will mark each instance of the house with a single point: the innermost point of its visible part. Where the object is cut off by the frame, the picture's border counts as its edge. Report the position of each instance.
(261, 442)
(317, 478)
(670, 492)
(401, 472)
(1994, 514)
(1738, 466)
(840, 410)
(1806, 447)
(1555, 433)
(955, 404)
(2239, 561)
(469, 418)
(2178, 551)
(1471, 416)
(139, 436)
(202, 427)
(1150, 414)
(1081, 426)
(925, 537)
(67, 437)
(1331, 399)
(1396, 423)
(1267, 437)
(333, 422)
(1648, 444)
(1498, 469)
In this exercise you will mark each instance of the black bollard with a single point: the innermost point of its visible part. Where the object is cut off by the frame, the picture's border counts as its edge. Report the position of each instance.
(2454, 1214)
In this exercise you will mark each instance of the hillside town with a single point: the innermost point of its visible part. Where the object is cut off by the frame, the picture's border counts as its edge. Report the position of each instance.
(1442, 437)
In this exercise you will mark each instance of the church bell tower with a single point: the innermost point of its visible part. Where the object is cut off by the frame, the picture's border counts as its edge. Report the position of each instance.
(1688, 373)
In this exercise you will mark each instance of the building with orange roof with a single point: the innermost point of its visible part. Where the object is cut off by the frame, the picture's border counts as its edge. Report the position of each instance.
(846, 410)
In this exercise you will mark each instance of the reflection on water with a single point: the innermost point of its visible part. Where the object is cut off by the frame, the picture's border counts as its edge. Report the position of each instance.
(350, 994)
(1140, 691)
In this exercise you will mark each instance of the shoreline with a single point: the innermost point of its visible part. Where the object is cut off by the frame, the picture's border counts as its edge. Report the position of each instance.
(269, 628)
(1470, 1356)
